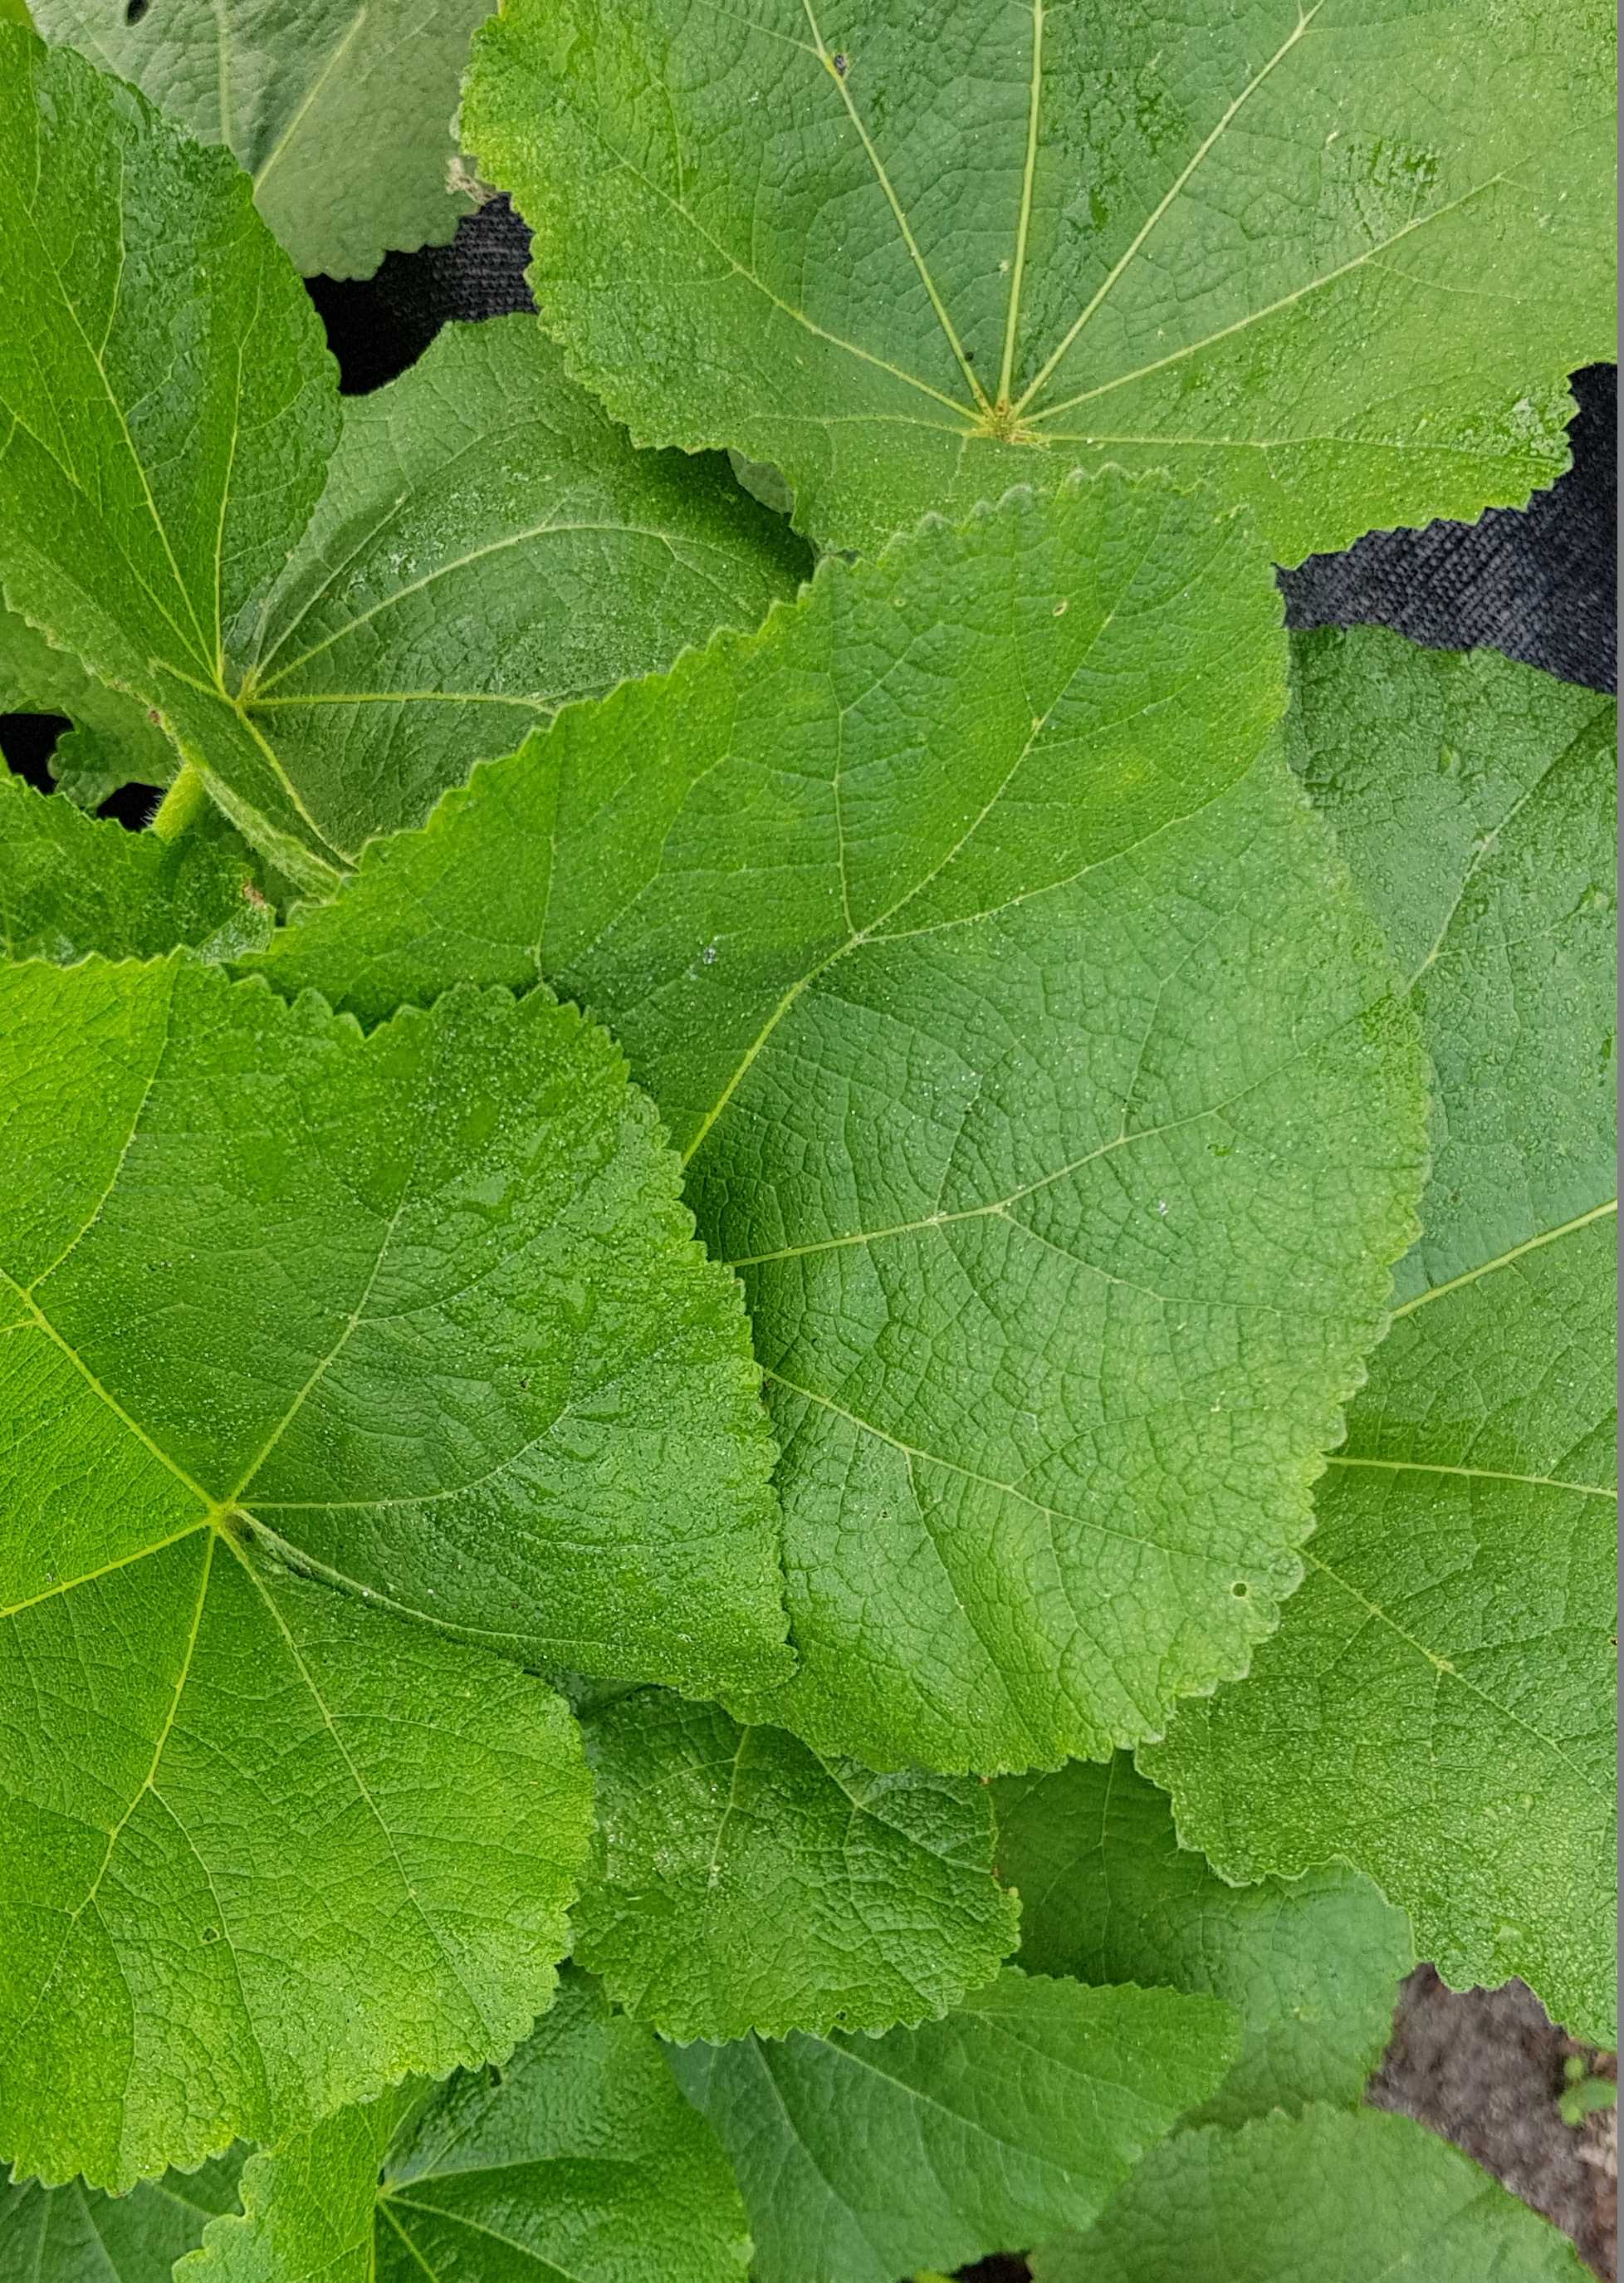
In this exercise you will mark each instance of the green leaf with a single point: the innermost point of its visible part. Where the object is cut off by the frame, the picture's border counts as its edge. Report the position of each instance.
(1436, 1708)
(1344, 2198)
(114, 741)
(740, 1882)
(419, 1315)
(1046, 1083)
(485, 545)
(1312, 1964)
(341, 116)
(1339, 265)
(70, 884)
(578, 2158)
(76, 2234)
(862, 2158)
(489, 543)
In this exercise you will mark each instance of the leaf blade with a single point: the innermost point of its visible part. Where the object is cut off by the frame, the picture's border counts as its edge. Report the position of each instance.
(1019, 1008)
(1342, 2195)
(868, 2157)
(740, 1882)
(1478, 803)
(1058, 238)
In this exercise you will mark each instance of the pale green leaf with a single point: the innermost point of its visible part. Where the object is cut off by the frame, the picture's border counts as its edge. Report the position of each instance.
(340, 113)
(1311, 1965)
(578, 2159)
(77, 2234)
(70, 884)
(1033, 1062)
(1336, 260)
(862, 2158)
(1437, 1705)
(486, 545)
(1342, 2198)
(740, 1882)
(421, 1316)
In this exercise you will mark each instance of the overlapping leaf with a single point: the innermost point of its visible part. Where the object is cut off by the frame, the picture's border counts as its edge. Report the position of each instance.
(420, 1316)
(864, 2158)
(70, 884)
(1436, 1707)
(171, 417)
(1311, 1965)
(740, 1882)
(1344, 2198)
(340, 113)
(1031, 1059)
(77, 2235)
(578, 2158)
(1337, 262)
(114, 742)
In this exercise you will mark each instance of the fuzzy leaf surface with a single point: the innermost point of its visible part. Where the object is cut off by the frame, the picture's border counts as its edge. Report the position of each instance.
(330, 624)
(419, 1316)
(739, 1882)
(1046, 1085)
(861, 2159)
(1344, 2197)
(1436, 1707)
(1312, 1964)
(912, 259)
(71, 883)
(77, 2234)
(339, 114)
(578, 2157)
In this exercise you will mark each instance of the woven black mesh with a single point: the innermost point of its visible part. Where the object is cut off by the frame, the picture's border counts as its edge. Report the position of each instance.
(1540, 584)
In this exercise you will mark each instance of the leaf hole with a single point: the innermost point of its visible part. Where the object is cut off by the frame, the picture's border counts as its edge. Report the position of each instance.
(135, 10)
(1240, 1589)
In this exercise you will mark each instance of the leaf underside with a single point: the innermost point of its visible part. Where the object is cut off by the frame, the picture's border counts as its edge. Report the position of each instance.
(911, 260)
(1436, 1706)
(339, 114)
(1044, 1083)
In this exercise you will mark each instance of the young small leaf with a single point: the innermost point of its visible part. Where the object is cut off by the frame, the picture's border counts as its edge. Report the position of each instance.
(1343, 2197)
(1337, 264)
(1436, 1708)
(340, 115)
(739, 1882)
(114, 741)
(167, 448)
(71, 885)
(419, 1315)
(1032, 1060)
(1312, 1964)
(578, 2157)
(77, 2234)
(1020, 2115)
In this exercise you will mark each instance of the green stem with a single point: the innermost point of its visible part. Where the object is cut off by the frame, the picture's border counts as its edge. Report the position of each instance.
(183, 803)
